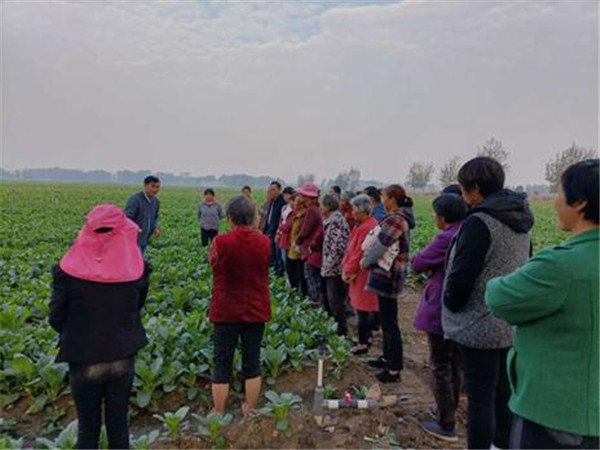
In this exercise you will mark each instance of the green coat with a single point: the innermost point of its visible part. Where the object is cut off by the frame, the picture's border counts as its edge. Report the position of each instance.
(553, 366)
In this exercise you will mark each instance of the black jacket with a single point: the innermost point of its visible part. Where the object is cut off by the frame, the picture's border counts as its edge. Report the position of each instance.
(97, 322)
(474, 240)
(272, 225)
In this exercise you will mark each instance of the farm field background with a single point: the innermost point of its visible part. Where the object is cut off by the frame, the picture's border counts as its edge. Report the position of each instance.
(38, 223)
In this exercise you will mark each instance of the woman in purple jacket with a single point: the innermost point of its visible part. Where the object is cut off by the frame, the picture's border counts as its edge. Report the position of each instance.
(449, 211)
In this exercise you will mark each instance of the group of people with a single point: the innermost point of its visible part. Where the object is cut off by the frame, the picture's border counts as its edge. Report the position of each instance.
(518, 333)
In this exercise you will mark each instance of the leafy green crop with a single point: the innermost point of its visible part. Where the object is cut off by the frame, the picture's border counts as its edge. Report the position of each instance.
(279, 407)
(212, 426)
(173, 421)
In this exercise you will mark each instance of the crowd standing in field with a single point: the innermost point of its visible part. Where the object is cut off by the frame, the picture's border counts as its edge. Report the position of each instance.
(518, 333)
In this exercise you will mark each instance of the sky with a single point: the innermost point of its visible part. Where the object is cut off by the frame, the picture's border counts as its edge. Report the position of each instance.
(282, 88)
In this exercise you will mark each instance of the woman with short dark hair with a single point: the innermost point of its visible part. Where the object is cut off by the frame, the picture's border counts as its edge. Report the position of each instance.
(98, 290)
(386, 258)
(493, 240)
(240, 304)
(449, 212)
(553, 302)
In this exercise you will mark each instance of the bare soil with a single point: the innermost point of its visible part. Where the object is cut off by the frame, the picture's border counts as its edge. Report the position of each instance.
(397, 426)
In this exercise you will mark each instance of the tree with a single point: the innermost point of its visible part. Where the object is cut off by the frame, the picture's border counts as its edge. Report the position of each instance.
(449, 171)
(306, 178)
(495, 149)
(419, 174)
(347, 181)
(564, 159)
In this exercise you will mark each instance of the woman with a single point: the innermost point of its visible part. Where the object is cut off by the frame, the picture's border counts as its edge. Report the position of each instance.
(449, 211)
(493, 240)
(386, 257)
(346, 208)
(210, 214)
(335, 240)
(283, 230)
(363, 301)
(240, 303)
(98, 289)
(309, 238)
(294, 264)
(553, 302)
(247, 192)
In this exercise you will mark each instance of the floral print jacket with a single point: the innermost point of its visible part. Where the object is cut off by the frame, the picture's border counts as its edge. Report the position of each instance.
(335, 241)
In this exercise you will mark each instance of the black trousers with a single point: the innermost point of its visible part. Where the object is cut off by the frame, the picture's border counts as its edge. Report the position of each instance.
(225, 339)
(526, 434)
(488, 392)
(207, 236)
(336, 299)
(93, 386)
(392, 338)
(295, 271)
(446, 371)
(366, 326)
(276, 261)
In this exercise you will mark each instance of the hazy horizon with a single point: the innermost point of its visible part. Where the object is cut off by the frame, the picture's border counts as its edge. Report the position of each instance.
(284, 88)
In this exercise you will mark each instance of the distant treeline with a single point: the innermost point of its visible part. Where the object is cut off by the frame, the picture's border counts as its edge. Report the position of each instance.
(133, 177)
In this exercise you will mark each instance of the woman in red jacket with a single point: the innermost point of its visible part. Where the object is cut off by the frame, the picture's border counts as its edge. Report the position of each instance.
(363, 301)
(240, 303)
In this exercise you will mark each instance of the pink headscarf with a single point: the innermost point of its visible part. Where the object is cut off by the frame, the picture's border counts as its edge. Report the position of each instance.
(111, 257)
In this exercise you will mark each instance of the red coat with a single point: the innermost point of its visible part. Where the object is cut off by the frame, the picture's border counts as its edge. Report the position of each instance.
(360, 299)
(240, 262)
(312, 225)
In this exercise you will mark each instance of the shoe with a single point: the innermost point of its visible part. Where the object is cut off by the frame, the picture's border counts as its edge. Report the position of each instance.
(359, 351)
(378, 363)
(436, 430)
(387, 377)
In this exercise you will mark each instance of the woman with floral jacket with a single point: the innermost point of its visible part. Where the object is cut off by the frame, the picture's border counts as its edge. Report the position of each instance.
(335, 241)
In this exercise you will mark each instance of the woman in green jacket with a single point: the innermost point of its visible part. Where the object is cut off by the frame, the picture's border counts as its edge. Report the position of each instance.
(553, 301)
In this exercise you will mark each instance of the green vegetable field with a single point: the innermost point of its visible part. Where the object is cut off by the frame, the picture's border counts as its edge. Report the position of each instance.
(39, 222)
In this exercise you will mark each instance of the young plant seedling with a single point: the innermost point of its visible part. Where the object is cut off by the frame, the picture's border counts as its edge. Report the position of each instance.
(279, 407)
(212, 426)
(174, 421)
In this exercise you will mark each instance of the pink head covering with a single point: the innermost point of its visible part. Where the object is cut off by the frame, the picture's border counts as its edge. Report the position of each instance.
(111, 257)
(308, 190)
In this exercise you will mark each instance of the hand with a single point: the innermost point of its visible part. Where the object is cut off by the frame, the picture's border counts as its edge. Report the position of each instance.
(157, 232)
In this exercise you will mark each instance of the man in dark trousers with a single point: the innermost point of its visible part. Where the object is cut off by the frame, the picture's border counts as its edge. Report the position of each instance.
(142, 207)
(273, 216)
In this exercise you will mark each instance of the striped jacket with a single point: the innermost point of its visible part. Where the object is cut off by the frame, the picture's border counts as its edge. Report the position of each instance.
(388, 283)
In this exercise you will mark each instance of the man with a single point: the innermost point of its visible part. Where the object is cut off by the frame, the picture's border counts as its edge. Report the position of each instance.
(142, 207)
(271, 223)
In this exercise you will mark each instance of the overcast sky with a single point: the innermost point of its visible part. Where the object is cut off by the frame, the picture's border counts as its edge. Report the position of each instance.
(281, 88)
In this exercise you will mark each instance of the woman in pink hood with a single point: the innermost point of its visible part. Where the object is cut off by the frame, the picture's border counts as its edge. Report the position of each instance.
(98, 289)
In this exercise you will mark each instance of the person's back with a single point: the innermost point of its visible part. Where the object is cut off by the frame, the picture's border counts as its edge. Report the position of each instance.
(102, 322)
(506, 219)
(493, 241)
(240, 304)
(240, 262)
(98, 289)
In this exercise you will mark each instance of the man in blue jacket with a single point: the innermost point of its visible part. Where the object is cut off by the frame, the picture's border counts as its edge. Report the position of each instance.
(143, 207)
